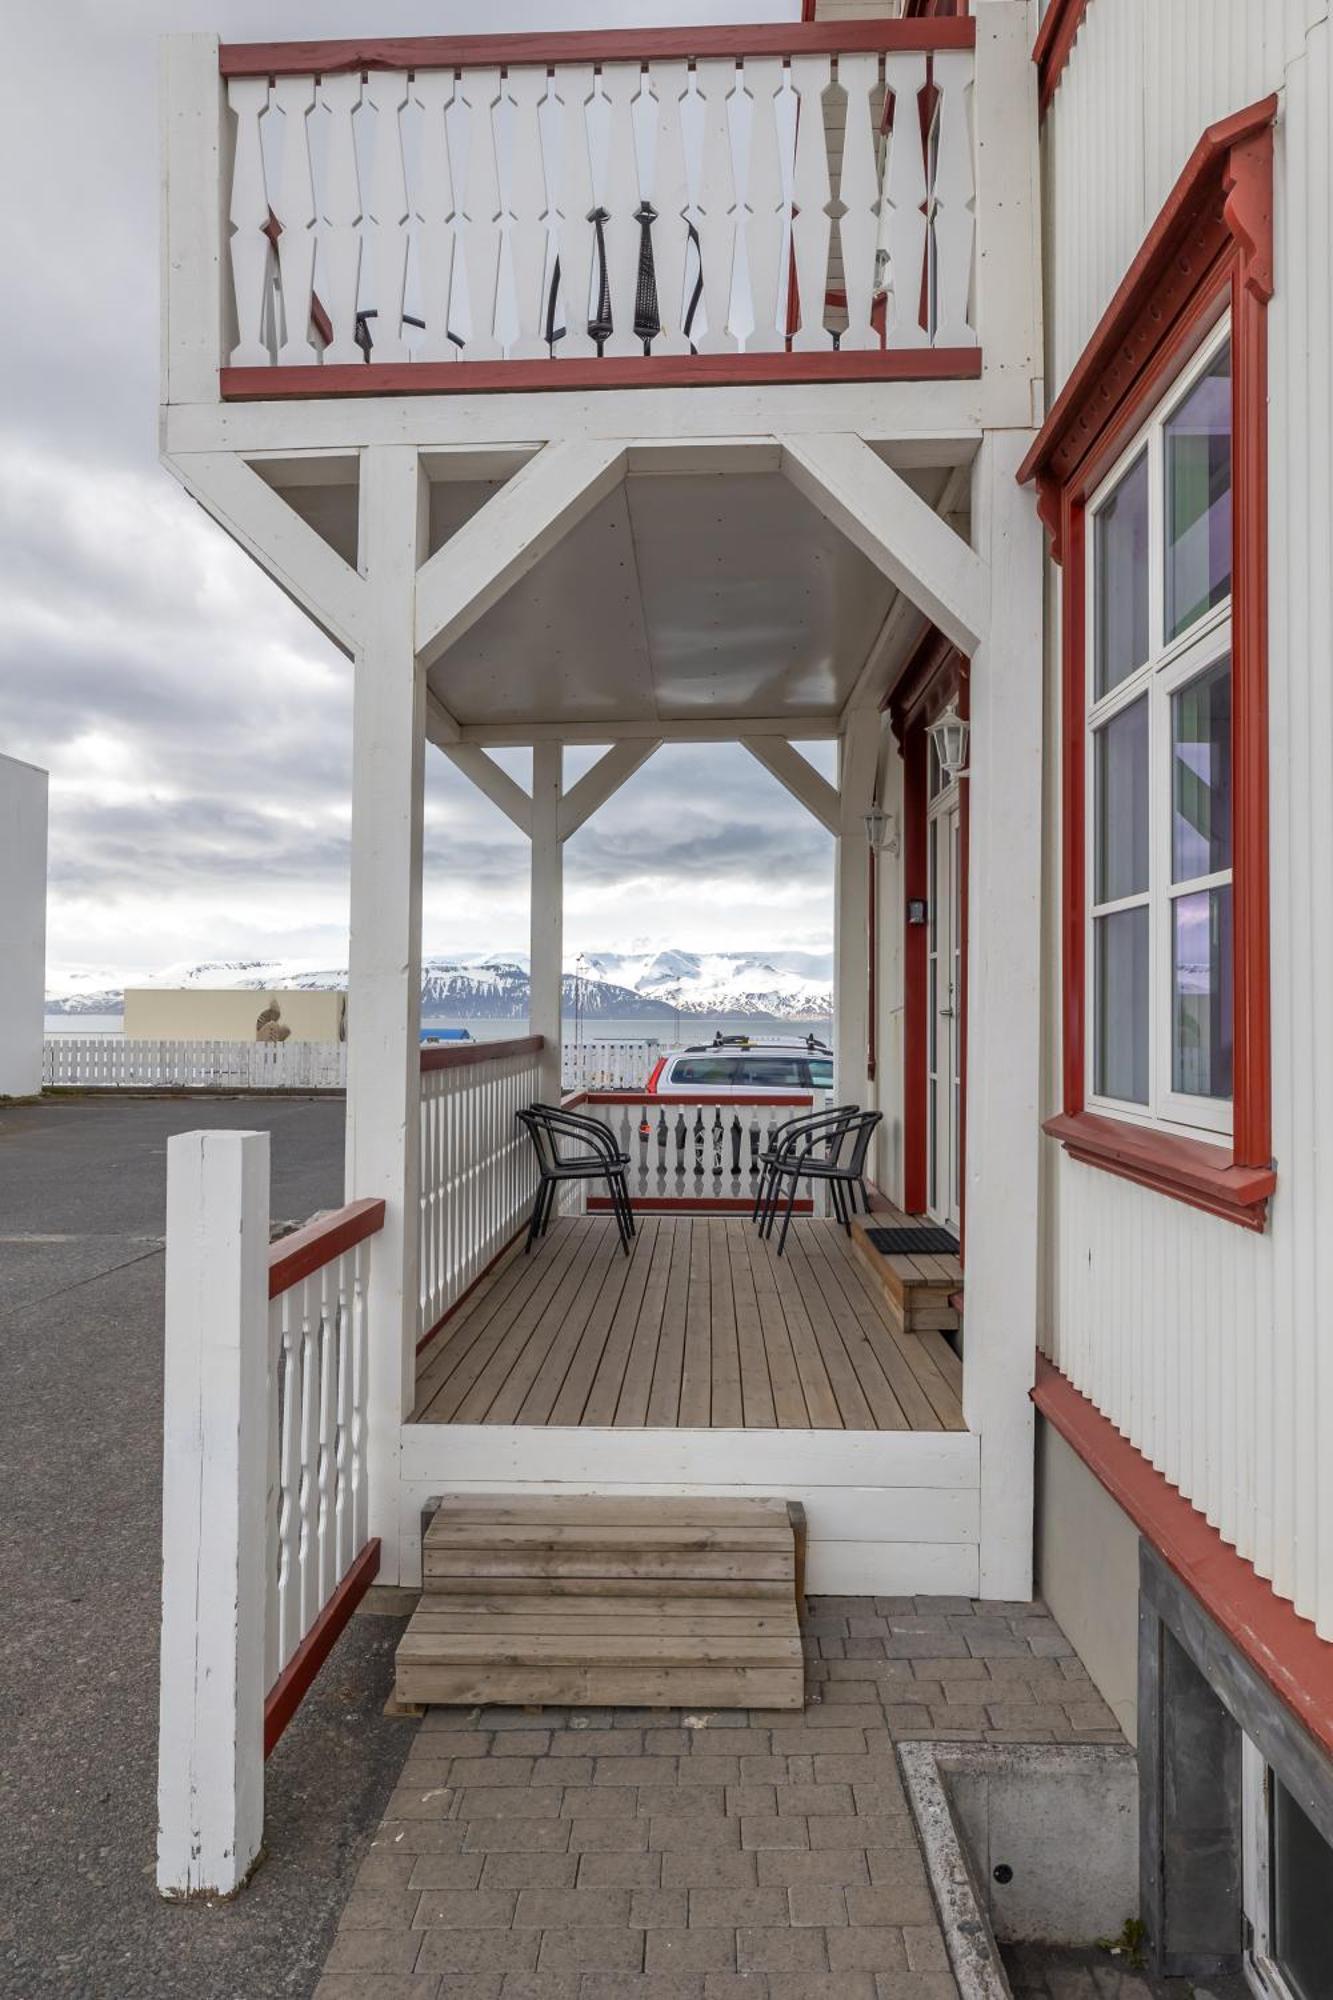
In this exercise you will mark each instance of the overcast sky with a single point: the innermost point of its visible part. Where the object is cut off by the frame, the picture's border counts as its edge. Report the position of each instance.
(196, 727)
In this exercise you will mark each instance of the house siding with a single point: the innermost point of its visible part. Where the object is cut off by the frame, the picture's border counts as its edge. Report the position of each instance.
(1203, 1343)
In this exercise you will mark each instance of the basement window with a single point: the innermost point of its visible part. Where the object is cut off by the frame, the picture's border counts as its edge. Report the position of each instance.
(1288, 1890)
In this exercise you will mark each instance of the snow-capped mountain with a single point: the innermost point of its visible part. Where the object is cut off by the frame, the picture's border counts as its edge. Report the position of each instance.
(648, 986)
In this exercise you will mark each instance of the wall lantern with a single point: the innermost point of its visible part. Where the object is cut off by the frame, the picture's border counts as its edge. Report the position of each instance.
(949, 734)
(882, 829)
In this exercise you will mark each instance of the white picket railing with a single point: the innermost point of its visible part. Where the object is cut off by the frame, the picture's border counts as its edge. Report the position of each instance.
(744, 190)
(265, 1549)
(597, 1065)
(108, 1062)
(697, 1153)
(477, 1170)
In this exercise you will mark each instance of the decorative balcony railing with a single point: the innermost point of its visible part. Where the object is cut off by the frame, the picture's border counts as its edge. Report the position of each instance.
(449, 210)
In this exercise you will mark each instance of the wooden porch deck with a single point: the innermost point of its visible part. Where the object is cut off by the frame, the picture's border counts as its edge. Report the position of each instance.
(702, 1327)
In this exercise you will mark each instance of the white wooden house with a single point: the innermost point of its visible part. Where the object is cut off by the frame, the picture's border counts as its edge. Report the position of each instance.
(629, 388)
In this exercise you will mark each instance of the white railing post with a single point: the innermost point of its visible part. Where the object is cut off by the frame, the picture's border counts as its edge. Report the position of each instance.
(210, 1787)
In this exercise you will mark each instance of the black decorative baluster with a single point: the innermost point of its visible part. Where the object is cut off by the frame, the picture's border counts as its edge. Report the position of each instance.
(717, 1144)
(736, 1144)
(647, 317)
(698, 1145)
(661, 1152)
(601, 326)
(681, 1137)
(754, 1142)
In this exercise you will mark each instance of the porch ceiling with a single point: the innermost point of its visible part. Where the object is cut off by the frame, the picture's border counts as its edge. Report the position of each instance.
(678, 598)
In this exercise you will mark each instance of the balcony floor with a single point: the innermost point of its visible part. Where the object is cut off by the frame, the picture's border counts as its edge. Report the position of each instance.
(703, 1327)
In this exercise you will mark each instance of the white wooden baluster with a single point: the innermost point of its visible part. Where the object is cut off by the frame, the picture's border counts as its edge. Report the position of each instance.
(307, 1491)
(326, 1540)
(360, 1482)
(344, 1445)
(715, 202)
(289, 1524)
(671, 198)
(251, 250)
(436, 239)
(273, 1500)
(953, 197)
(295, 210)
(340, 232)
(619, 195)
(859, 191)
(810, 220)
(904, 232)
(478, 194)
(386, 91)
(765, 208)
(569, 175)
(525, 202)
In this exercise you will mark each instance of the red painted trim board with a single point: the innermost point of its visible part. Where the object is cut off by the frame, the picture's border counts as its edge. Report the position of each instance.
(1053, 45)
(452, 1056)
(1284, 1649)
(307, 1250)
(685, 371)
(665, 1103)
(294, 1682)
(691, 1205)
(591, 45)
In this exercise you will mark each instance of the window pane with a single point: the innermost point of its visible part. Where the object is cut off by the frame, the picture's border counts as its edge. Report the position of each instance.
(821, 1072)
(1302, 1897)
(1120, 570)
(1201, 775)
(1201, 980)
(771, 1073)
(1122, 804)
(1198, 498)
(710, 1070)
(1122, 1005)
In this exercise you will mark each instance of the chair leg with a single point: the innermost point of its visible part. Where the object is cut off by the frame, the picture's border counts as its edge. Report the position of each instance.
(628, 1207)
(847, 1195)
(759, 1194)
(786, 1220)
(535, 1220)
(551, 1188)
(616, 1190)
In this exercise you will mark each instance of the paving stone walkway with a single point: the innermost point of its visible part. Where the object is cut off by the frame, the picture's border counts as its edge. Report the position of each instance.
(634, 1854)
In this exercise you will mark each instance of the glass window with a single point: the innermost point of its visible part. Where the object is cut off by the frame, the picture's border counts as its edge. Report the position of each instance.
(1201, 775)
(770, 1073)
(1122, 1004)
(1198, 498)
(712, 1071)
(1201, 1048)
(821, 1072)
(1120, 571)
(1122, 804)
(1302, 1892)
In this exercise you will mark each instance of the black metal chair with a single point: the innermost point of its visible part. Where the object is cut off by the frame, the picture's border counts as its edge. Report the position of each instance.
(796, 1134)
(599, 1160)
(842, 1167)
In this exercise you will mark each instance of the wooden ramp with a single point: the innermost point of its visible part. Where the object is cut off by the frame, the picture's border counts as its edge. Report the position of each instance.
(587, 1602)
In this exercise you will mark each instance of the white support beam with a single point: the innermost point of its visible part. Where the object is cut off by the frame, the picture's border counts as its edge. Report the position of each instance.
(384, 973)
(1004, 1024)
(799, 777)
(902, 628)
(721, 729)
(299, 561)
(507, 537)
(441, 728)
(547, 916)
(499, 787)
(194, 228)
(858, 762)
(605, 778)
(891, 525)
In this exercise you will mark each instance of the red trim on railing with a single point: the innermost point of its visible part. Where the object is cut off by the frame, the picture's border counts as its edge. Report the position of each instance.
(462, 1055)
(293, 1683)
(587, 45)
(1052, 47)
(306, 1250)
(684, 371)
(1282, 1647)
(690, 1204)
(691, 1097)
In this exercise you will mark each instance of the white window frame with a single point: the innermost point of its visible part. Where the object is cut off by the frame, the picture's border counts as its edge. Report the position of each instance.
(1168, 668)
(1262, 1972)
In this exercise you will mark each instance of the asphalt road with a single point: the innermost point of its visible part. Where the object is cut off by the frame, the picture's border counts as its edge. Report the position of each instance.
(82, 1193)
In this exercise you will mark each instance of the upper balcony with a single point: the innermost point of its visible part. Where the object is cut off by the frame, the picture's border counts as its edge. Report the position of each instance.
(763, 205)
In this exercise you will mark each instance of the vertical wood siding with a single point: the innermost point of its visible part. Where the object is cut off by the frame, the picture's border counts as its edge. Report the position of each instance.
(1209, 1347)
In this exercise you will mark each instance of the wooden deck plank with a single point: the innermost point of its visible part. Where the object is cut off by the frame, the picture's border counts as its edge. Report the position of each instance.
(853, 1403)
(886, 1343)
(942, 1394)
(454, 1340)
(696, 1377)
(784, 1373)
(529, 1395)
(605, 1392)
(611, 1510)
(632, 1406)
(757, 1392)
(816, 1386)
(572, 1399)
(539, 1319)
(540, 1280)
(664, 1396)
(728, 1412)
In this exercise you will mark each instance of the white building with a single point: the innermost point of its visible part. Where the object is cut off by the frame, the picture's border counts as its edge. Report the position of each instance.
(588, 389)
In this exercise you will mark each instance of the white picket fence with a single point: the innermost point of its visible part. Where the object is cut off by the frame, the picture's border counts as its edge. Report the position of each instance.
(265, 1551)
(477, 1170)
(681, 201)
(598, 1065)
(108, 1062)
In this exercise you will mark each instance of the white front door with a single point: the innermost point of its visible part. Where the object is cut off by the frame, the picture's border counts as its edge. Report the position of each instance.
(944, 1044)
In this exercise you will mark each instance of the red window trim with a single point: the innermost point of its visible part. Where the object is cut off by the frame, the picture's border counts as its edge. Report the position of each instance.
(1054, 44)
(1210, 248)
(1281, 1646)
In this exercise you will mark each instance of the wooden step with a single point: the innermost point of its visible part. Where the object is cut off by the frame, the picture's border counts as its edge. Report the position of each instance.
(918, 1290)
(592, 1601)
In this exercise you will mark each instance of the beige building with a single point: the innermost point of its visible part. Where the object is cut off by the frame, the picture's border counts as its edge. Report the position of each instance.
(232, 1014)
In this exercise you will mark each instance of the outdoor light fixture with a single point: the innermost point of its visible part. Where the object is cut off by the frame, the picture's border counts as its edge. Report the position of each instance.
(882, 829)
(949, 734)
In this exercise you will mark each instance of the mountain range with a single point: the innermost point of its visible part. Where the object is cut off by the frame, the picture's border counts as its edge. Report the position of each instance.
(647, 986)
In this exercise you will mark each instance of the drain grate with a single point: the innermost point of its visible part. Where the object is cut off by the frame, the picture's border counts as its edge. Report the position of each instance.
(914, 1242)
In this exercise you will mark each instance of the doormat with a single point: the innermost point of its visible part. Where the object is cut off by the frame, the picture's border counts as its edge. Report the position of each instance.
(913, 1242)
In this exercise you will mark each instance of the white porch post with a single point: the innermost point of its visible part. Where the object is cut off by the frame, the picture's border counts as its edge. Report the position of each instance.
(547, 914)
(384, 973)
(858, 753)
(1004, 1015)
